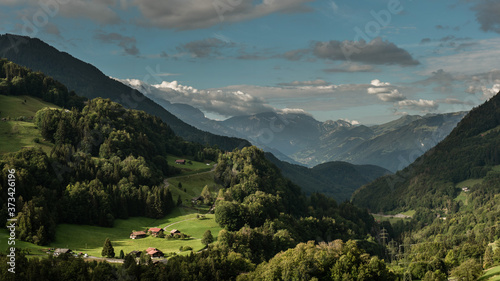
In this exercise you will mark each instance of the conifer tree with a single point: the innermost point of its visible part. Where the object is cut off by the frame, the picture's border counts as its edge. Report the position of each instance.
(108, 250)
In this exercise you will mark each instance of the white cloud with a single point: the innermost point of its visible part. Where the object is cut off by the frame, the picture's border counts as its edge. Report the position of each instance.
(384, 91)
(393, 96)
(378, 83)
(352, 122)
(225, 103)
(420, 105)
(490, 92)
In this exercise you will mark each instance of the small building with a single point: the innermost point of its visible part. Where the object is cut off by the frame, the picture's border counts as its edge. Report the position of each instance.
(180, 161)
(59, 251)
(195, 200)
(138, 234)
(135, 253)
(155, 231)
(154, 253)
(465, 189)
(175, 231)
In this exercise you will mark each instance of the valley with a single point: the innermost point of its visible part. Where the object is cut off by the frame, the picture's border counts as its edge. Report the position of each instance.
(88, 169)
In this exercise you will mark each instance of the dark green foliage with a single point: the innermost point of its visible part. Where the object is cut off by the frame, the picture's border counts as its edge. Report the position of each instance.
(332, 261)
(468, 271)
(244, 172)
(108, 250)
(17, 81)
(207, 238)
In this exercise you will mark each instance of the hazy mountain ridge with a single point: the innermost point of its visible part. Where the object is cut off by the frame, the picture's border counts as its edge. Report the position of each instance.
(336, 179)
(311, 142)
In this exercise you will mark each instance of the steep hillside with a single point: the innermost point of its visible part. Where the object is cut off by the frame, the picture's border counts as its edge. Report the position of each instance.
(336, 179)
(90, 82)
(470, 151)
(17, 129)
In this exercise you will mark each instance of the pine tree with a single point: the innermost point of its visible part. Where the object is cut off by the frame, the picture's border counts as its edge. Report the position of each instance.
(207, 238)
(122, 254)
(108, 250)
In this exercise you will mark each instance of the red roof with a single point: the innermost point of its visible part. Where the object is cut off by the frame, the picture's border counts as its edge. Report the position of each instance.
(155, 229)
(151, 251)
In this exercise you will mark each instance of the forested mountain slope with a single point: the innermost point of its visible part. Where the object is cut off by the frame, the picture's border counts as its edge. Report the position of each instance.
(90, 82)
(470, 151)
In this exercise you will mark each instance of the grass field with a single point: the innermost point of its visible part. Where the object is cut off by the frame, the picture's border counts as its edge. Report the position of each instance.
(191, 167)
(469, 183)
(193, 184)
(14, 106)
(492, 274)
(90, 239)
(14, 135)
(391, 219)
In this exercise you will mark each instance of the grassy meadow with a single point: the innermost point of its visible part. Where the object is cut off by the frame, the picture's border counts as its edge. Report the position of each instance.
(90, 239)
(14, 135)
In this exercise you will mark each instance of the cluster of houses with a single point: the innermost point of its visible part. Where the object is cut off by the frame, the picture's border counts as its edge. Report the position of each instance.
(154, 231)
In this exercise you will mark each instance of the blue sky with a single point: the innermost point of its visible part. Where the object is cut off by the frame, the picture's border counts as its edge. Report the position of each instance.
(370, 61)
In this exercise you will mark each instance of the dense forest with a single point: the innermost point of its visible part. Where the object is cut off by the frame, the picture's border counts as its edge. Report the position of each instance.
(107, 162)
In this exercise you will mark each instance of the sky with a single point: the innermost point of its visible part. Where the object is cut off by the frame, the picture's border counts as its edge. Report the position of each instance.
(367, 61)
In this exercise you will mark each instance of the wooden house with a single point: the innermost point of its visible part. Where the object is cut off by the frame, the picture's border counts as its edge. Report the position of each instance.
(154, 253)
(155, 231)
(138, 234)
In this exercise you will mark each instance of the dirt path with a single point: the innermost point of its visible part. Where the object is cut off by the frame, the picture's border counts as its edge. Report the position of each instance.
(165, 228)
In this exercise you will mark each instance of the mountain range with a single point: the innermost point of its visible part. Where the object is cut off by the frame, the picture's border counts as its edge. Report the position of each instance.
(299, 138)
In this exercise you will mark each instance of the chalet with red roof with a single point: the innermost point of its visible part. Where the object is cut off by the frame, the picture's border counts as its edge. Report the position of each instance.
(154, 253)
(155, 231)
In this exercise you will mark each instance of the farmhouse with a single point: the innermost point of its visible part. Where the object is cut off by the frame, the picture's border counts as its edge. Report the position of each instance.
(154, 253)
(195, 200)
(180, 161)
(59, 251)
(155, 231)
(137, 234)
(135, 253)
(175, 231)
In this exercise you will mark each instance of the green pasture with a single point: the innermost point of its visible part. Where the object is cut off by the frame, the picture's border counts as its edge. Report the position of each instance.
(15, 106)
(492, 274)
(90, 239)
